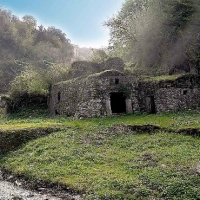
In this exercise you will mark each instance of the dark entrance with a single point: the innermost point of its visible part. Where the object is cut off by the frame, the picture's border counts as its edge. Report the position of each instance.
(118, 103)
(150, 105)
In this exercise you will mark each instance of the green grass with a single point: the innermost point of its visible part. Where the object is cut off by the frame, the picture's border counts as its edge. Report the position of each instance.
(172, 120)
(104, 163)
(110, 165)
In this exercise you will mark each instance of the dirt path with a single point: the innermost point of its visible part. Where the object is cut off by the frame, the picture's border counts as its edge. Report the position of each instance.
(10, 191)
(13, 190)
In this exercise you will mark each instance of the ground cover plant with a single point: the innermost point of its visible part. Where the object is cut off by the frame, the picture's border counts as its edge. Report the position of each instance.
(102, 160)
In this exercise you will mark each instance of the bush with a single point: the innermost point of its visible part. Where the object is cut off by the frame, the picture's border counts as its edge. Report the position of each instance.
(28, 88)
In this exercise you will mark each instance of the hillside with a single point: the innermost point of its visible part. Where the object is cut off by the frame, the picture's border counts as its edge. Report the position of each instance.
(24, 43)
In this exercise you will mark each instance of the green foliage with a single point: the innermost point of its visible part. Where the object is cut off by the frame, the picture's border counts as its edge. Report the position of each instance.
(156, 36)
(99, 55)
(30, 82)
(28, 88)
(22, 43)
(125, 89)
(57, 73)
(34, 82)
(29, 112)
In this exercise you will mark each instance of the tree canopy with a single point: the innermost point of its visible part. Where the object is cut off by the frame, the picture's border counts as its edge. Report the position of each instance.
(157, 35)
(23, 43)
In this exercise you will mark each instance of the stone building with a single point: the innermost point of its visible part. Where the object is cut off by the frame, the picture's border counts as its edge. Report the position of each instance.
(86, 68)
(113, 92)
(103, 93)
(181, 93)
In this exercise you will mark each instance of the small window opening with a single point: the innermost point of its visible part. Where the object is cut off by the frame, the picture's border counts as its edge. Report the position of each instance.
(59, 96)
(116, 81)
(56, 112)
(185, 92)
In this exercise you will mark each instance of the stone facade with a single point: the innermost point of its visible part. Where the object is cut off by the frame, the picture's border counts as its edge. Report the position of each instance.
(90, 96)
(112, 91)
(173, 95)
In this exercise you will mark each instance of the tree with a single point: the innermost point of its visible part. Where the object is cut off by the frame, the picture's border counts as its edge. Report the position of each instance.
(152, 33)
(30, 21)
(30, 81)
(99, 55)
(21, 41)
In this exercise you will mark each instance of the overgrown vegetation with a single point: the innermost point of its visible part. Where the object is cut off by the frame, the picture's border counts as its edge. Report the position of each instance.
(23, 43)
(162, 78)
(153, 37)
(157, 37)
(32, 58)
(97, 157)
(106, 162)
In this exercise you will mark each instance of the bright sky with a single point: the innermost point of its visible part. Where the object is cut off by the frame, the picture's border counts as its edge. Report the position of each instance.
(81, 20)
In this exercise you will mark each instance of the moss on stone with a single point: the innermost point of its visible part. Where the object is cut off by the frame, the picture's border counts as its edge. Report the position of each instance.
(107, 73)
(162, 78)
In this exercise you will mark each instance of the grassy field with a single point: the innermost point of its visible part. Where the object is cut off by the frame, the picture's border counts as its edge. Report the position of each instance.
(172, 120)
(102, 162)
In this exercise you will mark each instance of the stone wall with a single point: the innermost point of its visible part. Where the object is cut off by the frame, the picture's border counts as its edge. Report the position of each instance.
(91, 97)
(115, 82)
(171, 95)
(174, 99)
(74, 98)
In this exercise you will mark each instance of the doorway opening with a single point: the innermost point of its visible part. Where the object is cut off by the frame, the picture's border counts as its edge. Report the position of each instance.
(59, 96)
(150, 104)
(118, 103)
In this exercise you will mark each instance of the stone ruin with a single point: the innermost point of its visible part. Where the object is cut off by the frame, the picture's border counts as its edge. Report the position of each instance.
(113, 92)
(85, 68)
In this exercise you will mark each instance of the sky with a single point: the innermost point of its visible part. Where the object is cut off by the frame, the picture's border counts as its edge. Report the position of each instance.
(81, 20)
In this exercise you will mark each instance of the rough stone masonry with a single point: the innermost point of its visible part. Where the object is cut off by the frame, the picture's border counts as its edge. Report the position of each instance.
(113, 92)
